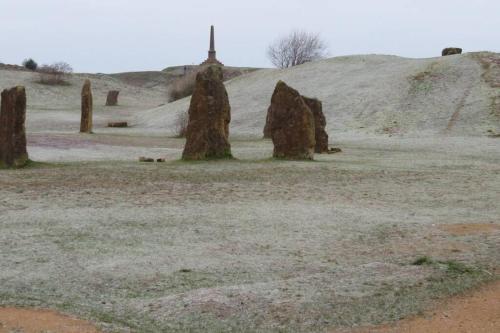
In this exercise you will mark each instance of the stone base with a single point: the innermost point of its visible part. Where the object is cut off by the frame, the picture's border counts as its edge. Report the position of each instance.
(212, 62)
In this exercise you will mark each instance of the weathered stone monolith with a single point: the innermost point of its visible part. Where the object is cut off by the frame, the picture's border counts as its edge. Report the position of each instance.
(291, 124)
(87, 106)
(13, 153)
(451, 51)
(321, 136)
(207, 135)
(112, 99)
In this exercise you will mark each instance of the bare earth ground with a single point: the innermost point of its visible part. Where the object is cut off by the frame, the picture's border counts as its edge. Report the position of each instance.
(250, 244)
(14, 320)
(477, 313)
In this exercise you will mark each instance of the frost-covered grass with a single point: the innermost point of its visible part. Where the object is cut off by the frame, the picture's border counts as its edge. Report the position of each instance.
(256, 244)
(363, 95)
(253, 243)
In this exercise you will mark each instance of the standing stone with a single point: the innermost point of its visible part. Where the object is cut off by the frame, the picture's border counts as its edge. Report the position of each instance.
(112, 99)
(291, 124)
(13, 151)
(321, 136)
(451, 51)
(87, 105)
(207, 134)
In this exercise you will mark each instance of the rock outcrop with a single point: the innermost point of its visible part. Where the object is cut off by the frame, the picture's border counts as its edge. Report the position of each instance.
(291, 124)
(321, 136)
(451, 51)
(112, 99)
(207, 135)
(87, 106)
(13, 153)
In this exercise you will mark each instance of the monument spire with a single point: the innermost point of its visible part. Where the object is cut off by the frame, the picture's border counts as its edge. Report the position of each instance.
(212, 54)
(212, 39)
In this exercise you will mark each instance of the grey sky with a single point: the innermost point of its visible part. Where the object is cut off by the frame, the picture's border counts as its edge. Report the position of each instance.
(128, 35)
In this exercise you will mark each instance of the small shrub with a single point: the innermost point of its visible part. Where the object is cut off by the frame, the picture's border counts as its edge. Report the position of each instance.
(30, 64)
(55, 74)
(422, 261)
(181, 124)
(183, 86)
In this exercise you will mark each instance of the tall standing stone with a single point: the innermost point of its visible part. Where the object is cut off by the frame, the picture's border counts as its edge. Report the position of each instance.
(112, 99)
(291, 124)
(13, 151)
(87, 106)
(207, 134)
(321, 136)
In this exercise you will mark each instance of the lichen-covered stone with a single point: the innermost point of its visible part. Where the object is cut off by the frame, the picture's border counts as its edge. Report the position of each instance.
(87, 106)
(291, 124)
(321, 136)
(451, 51)
(112, 99)
(13, 152)
(207, 135)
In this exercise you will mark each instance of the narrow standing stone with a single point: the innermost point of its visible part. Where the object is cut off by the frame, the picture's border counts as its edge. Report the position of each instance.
(207, 133)
(13, 151)
(87, 105)
(112, 99)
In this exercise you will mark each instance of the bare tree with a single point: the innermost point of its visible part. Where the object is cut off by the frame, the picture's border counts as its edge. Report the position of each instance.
(297, 48)
(54, 74)
(183, 86)
(181, 123)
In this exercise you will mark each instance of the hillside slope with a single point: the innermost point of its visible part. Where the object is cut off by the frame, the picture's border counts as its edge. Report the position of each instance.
(370, 94)
(57, 108)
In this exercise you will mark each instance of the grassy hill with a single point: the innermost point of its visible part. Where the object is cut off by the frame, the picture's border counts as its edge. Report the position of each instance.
(372, 94)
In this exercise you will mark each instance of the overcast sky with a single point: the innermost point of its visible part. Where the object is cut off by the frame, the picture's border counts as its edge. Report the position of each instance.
(129, 35)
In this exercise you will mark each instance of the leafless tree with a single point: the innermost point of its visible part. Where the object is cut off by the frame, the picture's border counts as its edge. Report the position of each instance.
(54, 74)
(296, 48)
(183, 86)
(181, 124)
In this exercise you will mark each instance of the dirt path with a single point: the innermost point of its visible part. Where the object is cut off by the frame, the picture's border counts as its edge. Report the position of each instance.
(454, 117)
(478, 312)
(41, 321)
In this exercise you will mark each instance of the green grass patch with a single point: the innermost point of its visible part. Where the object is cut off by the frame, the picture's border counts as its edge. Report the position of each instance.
(422, 261)
(451, 266)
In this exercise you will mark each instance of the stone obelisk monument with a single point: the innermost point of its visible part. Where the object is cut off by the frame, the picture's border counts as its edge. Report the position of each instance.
(212, 54)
